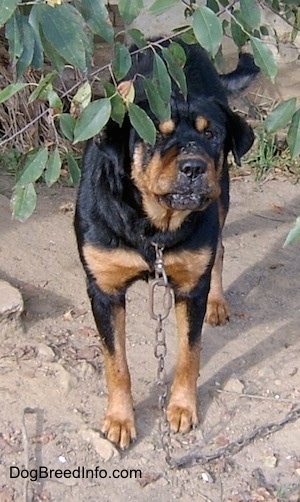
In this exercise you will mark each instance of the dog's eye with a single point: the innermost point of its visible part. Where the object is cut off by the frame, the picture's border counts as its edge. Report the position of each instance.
(208, 134)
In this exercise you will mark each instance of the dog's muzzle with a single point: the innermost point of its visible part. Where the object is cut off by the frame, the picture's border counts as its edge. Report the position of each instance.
(192, 189)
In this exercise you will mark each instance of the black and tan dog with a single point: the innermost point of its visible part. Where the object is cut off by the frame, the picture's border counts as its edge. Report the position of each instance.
(174, 194)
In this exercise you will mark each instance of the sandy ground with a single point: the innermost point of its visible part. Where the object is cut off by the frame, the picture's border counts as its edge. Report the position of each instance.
(52, 389)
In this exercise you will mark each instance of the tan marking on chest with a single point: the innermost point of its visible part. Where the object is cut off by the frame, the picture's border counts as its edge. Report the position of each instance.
(186, 268)
(113, 269)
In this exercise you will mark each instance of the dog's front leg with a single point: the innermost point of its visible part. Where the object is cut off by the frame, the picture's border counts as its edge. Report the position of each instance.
(182, 412)
(109, 314)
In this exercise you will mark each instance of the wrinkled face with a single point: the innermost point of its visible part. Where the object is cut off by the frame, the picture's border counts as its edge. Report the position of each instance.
(182, 171)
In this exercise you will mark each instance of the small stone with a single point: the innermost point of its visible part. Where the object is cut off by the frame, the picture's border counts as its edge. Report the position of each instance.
(103, 447)
(11, 301)
(45, 352)
(234, 385)
(206, 477)
(271, 461)
(64, 379)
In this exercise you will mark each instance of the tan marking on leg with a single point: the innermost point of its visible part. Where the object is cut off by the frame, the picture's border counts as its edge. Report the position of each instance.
(182, 409)
(185, 268)
(217, 311)
(118, 424)
(113, 268)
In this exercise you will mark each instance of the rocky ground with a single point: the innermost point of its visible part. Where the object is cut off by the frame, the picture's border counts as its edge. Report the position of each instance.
(52, 388)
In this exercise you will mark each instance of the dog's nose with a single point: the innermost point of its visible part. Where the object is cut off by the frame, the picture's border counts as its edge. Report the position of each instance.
(192, 168)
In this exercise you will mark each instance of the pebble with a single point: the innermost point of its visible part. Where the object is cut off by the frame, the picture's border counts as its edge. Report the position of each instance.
(45, 352)
(11, 301)
(234, 385)
(64, 379)
(103, 447)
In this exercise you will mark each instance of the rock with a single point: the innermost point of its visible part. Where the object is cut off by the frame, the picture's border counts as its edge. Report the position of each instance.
(234, 385)
(103, 447)
(11, 301)
(45, 352)
(65, 381)
(271, 461)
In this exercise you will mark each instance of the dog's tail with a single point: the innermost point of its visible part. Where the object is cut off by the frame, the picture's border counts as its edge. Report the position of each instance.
(244, 74)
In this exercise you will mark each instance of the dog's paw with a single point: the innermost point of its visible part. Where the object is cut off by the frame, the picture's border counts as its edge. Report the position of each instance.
(181, 418)
(217, 311)
(120, 431)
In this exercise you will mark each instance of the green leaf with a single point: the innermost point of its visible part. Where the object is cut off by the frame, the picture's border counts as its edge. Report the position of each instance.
(74, 170)
(280, 116)
(159, 107)
(13, 35)
(142, 123)
(122, 61)
(7, 9)
(96, 15)
(175, 71)
(55, 103)
(293, 135)
(250, 12)
(56, 59)
(28, 41)
(294, 233)
(239, 36)
(264, 31)
(92, 119)
(38, 53)
(188, 37)
(178, 53)
(160, 6)
(130, 9)
(161, 77)
(137, 37)
(35, 164)
(42, 86)
(10, 90)
(118, 108)
(213, 5)
(264, 58)
(53, 168)
(23, 202)
(63, 28)
(67, 125)
(82, 97)
(208, 29)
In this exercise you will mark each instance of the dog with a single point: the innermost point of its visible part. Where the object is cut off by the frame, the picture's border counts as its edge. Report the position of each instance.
(175, 195)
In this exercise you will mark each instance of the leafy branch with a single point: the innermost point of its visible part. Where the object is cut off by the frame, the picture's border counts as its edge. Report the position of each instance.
(46, 37)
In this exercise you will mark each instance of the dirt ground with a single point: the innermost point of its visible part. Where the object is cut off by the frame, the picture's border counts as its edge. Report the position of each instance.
(52, 387)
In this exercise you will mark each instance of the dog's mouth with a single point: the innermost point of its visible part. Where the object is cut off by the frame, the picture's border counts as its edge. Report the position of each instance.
(185, 201)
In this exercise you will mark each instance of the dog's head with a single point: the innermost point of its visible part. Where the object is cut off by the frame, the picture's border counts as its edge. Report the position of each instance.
(183, 170)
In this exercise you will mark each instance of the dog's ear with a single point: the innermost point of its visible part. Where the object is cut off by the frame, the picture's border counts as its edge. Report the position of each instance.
(241, 135)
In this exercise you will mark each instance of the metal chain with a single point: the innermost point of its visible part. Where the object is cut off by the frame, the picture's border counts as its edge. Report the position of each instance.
(160, 351)
(236, 446)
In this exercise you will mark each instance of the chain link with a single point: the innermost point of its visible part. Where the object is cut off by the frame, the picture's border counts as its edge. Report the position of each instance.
(160, 351)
